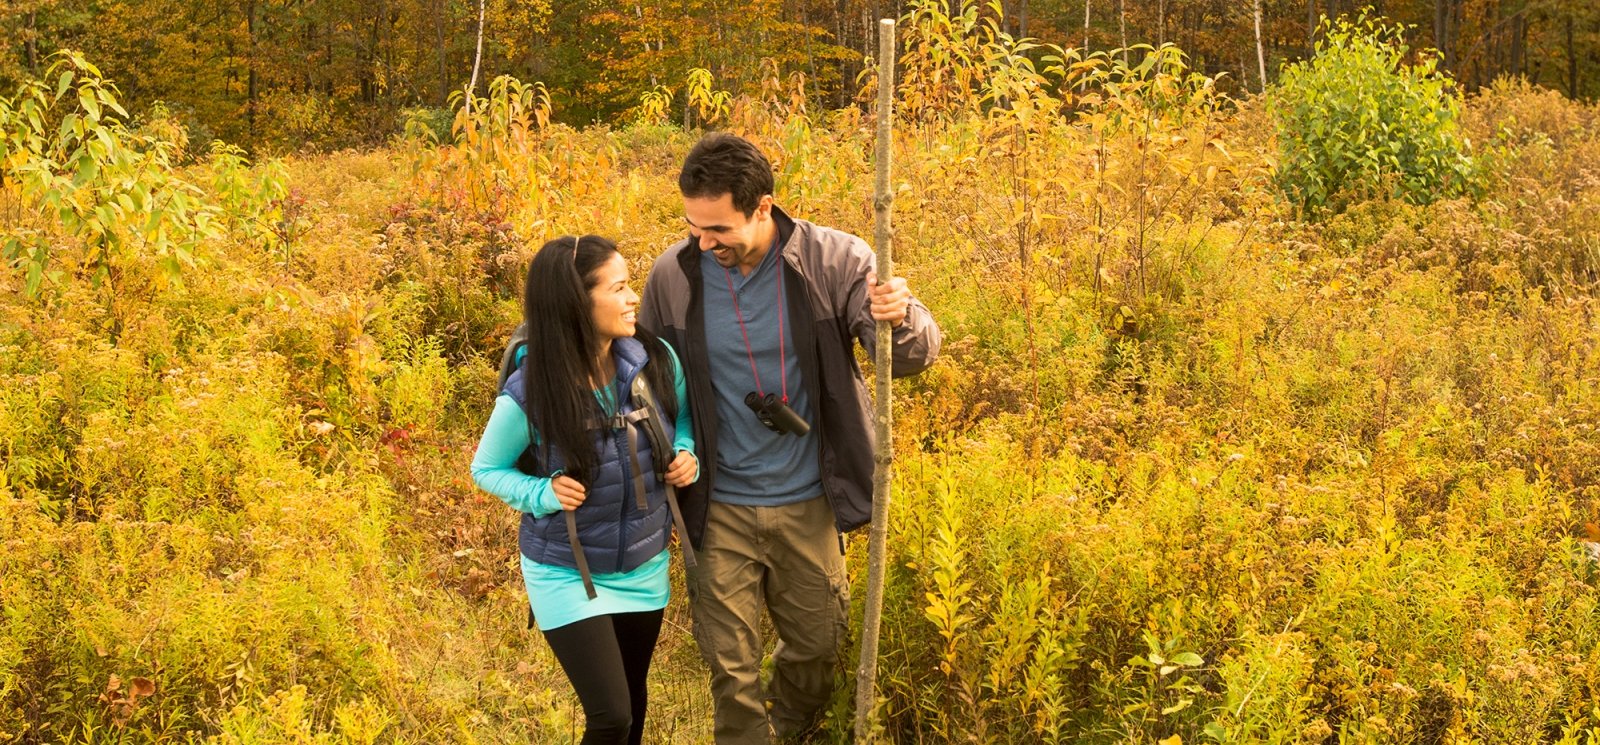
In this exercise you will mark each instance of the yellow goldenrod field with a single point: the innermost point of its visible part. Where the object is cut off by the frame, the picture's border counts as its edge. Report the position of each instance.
(1225, 445)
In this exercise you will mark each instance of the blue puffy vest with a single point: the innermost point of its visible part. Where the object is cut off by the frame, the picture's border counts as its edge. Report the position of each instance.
(617, 534)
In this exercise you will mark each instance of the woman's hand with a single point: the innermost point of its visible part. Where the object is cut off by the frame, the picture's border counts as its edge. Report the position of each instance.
(569, 492)
(683, 469)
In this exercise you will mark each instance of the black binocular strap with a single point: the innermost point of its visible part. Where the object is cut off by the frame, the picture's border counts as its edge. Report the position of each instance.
(577, 552)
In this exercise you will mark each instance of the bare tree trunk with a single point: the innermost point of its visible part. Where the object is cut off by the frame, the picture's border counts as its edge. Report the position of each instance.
(805, 25)
(1161, 24)
(1122, 28)
(1441, 30)
(1449, 47)
(308, 46)
(638, 12)
(1519, 34)
(327, 49)
(1311, 27)
(866, 44)
(438, 32)
(1023, 29)
(33, 42)
(1572, 63)
(1086, 27)
(254, 77)
(866, 33)
(838, 31)
(1261, 55)
(1495, 61)
(477, 58)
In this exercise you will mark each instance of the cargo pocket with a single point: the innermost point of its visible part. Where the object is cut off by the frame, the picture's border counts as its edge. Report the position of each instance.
(697, 626)
(839, 585)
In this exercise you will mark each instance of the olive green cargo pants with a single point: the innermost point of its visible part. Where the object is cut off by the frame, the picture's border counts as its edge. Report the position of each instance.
(787, 557)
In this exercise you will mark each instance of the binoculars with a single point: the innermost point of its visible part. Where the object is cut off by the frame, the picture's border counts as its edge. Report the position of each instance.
(776, 415)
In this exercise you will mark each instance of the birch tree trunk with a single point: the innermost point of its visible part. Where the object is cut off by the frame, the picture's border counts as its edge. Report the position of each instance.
(1086, 28)
(477, 58)
(1122, 28)
(1261, 55)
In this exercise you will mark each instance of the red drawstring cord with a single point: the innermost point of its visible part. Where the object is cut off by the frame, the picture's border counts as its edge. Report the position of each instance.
(746, 334)
(783, 365)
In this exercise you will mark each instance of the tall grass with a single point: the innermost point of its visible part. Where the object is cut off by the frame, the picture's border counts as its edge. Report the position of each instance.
(1188, 468)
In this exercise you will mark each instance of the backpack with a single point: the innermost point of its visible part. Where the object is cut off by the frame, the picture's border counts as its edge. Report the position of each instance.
(646, 413)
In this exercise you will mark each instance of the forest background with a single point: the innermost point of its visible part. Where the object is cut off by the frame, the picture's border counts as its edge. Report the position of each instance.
(284, 74)
(1267, 413)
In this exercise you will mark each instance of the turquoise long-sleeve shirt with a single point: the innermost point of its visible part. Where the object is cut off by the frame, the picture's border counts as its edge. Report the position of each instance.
(556, 594)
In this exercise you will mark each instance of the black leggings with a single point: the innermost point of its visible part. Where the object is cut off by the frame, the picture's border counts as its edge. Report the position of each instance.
(607, 659)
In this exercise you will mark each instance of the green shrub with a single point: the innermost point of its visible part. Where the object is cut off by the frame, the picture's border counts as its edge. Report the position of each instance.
(430, 123)
(1357, 121)
(84, 175)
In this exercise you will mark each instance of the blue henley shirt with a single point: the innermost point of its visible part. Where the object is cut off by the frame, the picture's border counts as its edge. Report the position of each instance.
(755, 466)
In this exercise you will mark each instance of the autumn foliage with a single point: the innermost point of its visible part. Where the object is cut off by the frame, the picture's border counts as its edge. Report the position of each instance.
(1191, 468)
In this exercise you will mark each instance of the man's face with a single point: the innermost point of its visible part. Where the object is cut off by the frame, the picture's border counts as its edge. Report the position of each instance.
(727, 233)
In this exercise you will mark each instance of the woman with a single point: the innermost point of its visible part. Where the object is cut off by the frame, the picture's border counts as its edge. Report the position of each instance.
(570, 418)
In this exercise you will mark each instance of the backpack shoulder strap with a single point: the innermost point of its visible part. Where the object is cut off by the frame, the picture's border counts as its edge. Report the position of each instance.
(508, 359)
(644, 400)
(661, 452)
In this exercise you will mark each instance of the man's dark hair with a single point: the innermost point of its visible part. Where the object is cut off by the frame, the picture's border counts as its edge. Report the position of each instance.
(722, 163)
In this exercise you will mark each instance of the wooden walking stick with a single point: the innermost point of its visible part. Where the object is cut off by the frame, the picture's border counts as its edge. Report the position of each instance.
(883, 363)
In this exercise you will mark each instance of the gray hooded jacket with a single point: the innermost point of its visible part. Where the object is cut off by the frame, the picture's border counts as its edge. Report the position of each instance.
(830, 315)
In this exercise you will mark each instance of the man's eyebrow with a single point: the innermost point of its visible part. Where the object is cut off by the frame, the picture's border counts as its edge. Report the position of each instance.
(713, 228)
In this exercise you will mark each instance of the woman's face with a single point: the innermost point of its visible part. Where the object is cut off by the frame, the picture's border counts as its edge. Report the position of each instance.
(615, 305)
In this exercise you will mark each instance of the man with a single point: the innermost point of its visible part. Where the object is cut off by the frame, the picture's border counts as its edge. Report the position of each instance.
(757, 302)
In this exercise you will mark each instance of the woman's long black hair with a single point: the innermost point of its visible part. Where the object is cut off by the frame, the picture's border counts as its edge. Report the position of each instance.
(564, 349)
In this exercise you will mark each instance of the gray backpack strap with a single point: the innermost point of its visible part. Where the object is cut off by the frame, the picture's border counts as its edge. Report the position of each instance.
(662, 450)
(577, 552)
(637, 470)
(508, 359)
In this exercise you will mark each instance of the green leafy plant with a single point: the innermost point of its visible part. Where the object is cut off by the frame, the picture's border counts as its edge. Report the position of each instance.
(68, 151)
(257, 200)
(702, 94)
(1358, 120)
(655, 105)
